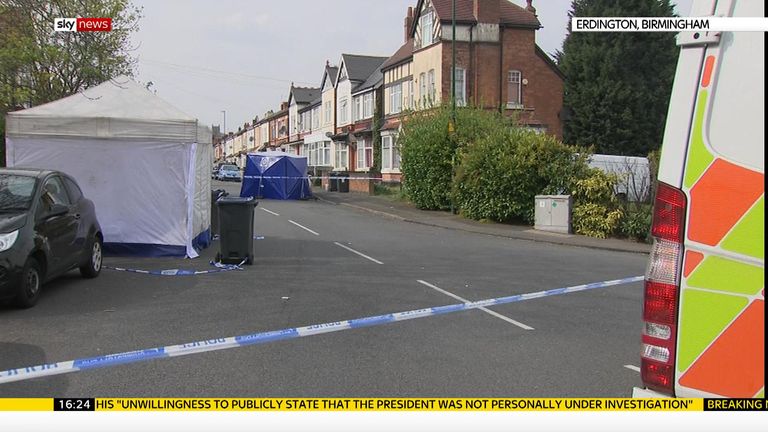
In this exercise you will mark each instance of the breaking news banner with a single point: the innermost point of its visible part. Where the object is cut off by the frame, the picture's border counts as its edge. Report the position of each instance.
(379, 404)
(82, 24)
(657, 24)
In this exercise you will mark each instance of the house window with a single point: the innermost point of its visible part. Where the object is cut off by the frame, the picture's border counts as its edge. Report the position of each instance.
(367, 105)
(431, 85)
(341, 156)
(312, 153)
(364, 154)
(410, 95)
(426, 29)
(395, 98)
(461, 87)
(328, 112)
(343, 110)
(324, 153)
(316, 118)
(386, 152)
(423, 88)
(358, 108)
(514, 93)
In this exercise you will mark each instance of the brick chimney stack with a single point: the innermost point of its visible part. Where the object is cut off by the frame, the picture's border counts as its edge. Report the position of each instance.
(529, 7)
(408, 24)
(487, 11)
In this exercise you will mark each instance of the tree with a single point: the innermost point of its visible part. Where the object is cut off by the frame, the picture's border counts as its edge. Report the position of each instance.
(38, 65)
(618, 85)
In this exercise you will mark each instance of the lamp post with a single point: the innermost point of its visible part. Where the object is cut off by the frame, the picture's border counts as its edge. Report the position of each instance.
(453, 63)
(225, 121)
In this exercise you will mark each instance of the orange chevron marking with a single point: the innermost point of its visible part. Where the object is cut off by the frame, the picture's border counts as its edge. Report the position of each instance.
(734, 365)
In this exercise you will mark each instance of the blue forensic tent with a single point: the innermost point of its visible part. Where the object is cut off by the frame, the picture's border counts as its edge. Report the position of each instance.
(275, 175)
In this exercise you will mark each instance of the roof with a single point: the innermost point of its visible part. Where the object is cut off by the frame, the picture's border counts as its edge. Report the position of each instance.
(511, 14)
(27, 172)
(304, 95)
(403, 53)
(331, 72)
(360, 67)
(119, 108)
(375, 78)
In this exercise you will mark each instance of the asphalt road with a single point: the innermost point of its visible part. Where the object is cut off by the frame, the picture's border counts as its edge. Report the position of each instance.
(568, 345)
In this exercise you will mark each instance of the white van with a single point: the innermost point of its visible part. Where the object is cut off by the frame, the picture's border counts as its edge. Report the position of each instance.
(704, 308)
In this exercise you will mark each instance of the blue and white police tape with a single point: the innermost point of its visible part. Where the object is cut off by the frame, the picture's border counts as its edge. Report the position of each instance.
(181, 272)
(257, 237)
(30, 372)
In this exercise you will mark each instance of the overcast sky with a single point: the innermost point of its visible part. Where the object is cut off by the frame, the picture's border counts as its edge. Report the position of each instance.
(241, 56)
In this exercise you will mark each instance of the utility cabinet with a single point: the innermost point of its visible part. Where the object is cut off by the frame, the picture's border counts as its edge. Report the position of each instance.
(553, 213)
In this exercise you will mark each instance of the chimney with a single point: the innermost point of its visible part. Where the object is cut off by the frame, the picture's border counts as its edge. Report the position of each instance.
(408, 24)
(487, 11)
(529, 7)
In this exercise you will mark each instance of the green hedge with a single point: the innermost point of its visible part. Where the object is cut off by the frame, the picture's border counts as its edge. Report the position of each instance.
(500, 174)
(491, 169)
(429, 150)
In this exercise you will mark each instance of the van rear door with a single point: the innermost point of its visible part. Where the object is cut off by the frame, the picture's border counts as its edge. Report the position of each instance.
(713, 156)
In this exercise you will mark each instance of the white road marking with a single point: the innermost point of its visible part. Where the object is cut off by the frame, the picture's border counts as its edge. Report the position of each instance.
(634, 368)
(484, 309)
(359, 253)
(303, 227)
(270, 211)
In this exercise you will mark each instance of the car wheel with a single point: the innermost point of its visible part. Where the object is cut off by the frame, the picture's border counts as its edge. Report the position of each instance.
(95, 257)
(31, 283)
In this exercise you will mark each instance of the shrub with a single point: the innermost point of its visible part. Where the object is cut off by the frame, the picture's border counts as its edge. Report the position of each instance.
(636, 223)
(500, 174)
(429, 151)
(596, 211)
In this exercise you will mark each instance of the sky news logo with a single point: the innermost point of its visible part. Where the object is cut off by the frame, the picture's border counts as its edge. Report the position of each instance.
(82, 24)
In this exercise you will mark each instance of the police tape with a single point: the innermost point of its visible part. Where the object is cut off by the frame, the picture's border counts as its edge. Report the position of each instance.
(30, 372)
(182, 272)
(372, 404)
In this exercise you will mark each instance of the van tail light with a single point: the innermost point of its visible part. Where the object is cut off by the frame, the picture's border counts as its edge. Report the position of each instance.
(662, 291)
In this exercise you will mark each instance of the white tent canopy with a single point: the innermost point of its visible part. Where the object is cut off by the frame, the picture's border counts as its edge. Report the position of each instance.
(145, 164)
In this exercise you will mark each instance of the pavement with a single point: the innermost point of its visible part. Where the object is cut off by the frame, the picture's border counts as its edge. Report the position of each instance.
(394, 208)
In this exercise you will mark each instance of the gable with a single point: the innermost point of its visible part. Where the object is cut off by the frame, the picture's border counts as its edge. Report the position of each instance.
(424, 8)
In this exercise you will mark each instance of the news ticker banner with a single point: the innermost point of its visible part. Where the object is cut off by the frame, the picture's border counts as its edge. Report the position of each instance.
(658, 24)
(380, 404)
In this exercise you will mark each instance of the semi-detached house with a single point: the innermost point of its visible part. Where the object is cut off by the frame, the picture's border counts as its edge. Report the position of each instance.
(358, 78)
(299, 117)
(498, 67)
(317, 144)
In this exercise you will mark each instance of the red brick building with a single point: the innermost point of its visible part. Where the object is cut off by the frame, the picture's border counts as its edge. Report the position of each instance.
(498, 64)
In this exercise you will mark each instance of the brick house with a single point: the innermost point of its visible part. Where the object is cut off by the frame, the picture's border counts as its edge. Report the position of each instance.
(498, 66)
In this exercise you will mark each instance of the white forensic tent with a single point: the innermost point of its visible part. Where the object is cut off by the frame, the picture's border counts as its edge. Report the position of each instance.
(145, 164)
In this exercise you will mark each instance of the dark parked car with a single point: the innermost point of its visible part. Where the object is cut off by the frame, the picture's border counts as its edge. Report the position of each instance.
(47, 227)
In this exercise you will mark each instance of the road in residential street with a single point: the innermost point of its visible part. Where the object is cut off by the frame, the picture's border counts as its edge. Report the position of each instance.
(320, 263)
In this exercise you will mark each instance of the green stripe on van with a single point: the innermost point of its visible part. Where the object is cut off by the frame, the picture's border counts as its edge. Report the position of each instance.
(699, 157)
(721, 274)
(703, 316)
(747, 237)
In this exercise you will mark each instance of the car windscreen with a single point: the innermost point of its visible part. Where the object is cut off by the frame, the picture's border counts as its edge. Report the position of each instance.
(16, 192)
(229, 168)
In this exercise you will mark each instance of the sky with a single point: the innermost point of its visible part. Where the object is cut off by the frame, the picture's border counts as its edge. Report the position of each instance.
(238, 58)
